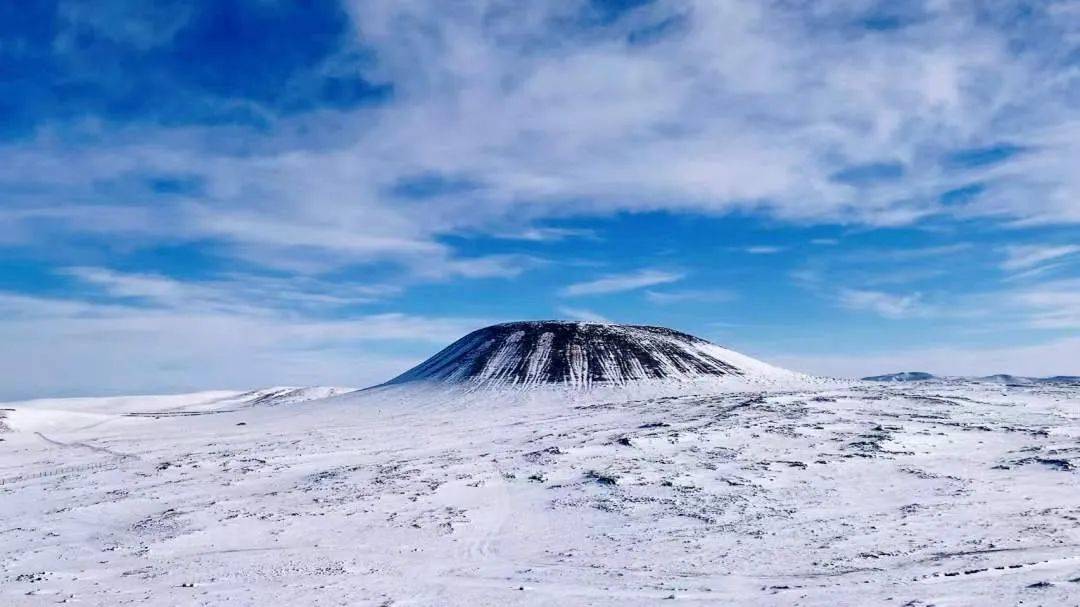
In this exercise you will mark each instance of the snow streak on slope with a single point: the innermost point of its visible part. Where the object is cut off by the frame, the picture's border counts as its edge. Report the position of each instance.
(582, 354)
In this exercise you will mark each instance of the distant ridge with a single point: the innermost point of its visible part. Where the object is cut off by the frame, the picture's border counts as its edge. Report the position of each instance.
(582, 354)
(1015, 380)
(1000, 378)
(903, 376)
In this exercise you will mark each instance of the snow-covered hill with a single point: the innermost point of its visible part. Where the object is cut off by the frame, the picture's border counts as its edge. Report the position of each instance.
(584, 355)
(65, 414)
(1003, 378)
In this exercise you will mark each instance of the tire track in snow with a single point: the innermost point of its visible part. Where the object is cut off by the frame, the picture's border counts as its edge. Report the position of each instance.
(82, 445)
(74, 469)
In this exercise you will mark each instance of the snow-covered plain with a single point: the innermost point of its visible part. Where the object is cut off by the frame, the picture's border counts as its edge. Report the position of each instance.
(943, 493)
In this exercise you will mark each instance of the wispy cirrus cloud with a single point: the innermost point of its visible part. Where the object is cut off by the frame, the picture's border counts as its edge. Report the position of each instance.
(765, 250)
(883, 304)
(1026, 257)
(1051, 305)
(64, 347)
(548, 234)
(690, 295)
(237, 293)
(617, 283)
(582, 314)
(915, 253)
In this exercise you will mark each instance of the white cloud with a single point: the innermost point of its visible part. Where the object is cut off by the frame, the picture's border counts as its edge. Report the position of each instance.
(1024, 257)
(689, 295)
(913, 253)
(490, 266)
(147, 286)
(236, 293)
(764, 250)
(883, 304)
(617, 283)
(1052, 305)
(542, 122)
(61, 347)
(542, 234)
(582, 314)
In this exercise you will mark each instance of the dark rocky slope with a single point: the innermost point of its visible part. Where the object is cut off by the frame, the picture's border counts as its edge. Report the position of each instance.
(579, 353)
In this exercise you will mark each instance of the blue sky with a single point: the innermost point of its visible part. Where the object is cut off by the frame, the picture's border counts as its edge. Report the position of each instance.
(242, 193)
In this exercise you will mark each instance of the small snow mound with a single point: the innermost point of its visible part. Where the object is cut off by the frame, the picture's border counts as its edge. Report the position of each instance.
(903, 376)
(289, 395)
